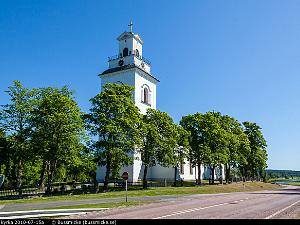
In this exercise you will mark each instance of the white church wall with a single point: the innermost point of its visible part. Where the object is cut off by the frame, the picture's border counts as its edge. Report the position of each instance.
(139, 82)
(187, 175)
(218, 172)
(137, 45)
(159, 172)
(126, 77)
(125, 44)
(138, 62)
(100, 173)
(130, 169)
(137, 167)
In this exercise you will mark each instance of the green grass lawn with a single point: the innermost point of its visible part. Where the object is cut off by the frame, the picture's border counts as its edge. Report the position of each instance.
(100, 205)
(294, 183)
(206, 189)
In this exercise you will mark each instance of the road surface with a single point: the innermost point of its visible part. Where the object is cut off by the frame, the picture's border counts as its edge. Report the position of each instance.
(280, 203)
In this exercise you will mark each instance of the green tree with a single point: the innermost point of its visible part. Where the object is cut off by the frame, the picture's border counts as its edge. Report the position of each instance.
(216, 141)
(238, 144)
(181, 150)
(115, 119)
(3, 149)
(81, 165)
(58, 129)
(198, 154)
(15, 120)
(159, 138)
(257, 159)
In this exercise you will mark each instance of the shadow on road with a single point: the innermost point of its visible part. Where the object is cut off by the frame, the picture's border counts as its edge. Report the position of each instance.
(286, 191)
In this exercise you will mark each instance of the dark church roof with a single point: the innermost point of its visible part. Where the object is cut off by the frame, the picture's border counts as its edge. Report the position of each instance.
(120, 68)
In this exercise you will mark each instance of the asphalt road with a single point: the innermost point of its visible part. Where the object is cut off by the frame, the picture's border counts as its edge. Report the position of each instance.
(271, 204)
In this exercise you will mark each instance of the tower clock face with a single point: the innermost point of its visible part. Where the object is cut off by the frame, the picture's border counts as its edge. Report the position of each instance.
(121, 62)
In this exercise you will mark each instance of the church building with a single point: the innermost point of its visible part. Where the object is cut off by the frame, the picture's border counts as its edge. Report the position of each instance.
(130, 67)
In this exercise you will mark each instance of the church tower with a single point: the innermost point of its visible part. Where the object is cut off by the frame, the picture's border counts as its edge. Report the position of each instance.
(130, 67)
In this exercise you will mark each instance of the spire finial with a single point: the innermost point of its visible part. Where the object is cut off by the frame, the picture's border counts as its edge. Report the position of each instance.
(130, 25)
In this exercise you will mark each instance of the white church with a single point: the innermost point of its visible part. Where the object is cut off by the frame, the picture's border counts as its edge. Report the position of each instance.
(130, 67)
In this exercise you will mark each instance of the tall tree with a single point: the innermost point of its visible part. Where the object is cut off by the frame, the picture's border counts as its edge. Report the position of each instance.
(159, 139)
(257, 159)
(15, 120)
(198, 153)
(58, 129)
(216, 141)
(3, 149)
(238, 144)
(115, 119)
(181, 150)
(81, 165)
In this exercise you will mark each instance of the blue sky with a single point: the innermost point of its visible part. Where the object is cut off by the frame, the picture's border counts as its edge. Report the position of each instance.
(241, 58)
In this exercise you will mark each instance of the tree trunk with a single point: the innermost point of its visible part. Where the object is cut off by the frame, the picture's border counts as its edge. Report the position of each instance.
(19, 174)
(43, 176)
(106, 179)
(213, 175)
(175, 175)
(96, 188)
(19, 177)
(145, 185)
(229, 172)
(199, 174)
(221, 177)
(226, 173)
(51, 176)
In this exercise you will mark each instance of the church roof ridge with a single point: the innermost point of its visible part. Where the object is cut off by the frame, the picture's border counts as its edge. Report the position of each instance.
(130, 66)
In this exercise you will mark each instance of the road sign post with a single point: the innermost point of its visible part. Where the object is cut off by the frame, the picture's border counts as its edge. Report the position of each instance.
(126, 189)
(125, 177)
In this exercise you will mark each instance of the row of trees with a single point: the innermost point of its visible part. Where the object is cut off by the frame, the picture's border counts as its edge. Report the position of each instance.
(45, 137)
(41, 137)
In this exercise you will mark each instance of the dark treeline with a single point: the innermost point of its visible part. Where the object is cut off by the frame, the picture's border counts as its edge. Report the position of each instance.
(282, 174)
(45, 138)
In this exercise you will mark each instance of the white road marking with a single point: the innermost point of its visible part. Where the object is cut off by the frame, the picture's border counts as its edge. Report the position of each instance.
(41, 215)
(280, 211)
(197, 209)
(52, 210)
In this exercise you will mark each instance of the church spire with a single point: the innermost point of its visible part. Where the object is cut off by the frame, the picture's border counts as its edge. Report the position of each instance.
(130, 25)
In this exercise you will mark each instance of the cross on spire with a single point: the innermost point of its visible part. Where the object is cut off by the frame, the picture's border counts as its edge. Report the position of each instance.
(130, 25)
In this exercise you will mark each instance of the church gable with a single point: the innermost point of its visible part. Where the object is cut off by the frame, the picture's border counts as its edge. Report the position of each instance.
(126, 35)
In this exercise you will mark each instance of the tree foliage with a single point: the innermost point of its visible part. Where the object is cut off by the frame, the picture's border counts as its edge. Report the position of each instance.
(58, 127)
(257, 157)
(114, 120)
(198, 154)
(159, 138)
(238, 145)
(43, 140)
(15, 120)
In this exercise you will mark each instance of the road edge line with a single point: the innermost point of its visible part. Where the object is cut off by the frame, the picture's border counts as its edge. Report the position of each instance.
(50, 210)
(282, 210)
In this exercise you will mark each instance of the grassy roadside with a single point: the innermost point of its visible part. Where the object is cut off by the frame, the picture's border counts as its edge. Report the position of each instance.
(99, 205)
(206, 189)
(294, 183)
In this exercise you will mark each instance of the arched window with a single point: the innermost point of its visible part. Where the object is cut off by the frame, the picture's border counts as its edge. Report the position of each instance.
(125, 52)
(146, 93)
(137, 53)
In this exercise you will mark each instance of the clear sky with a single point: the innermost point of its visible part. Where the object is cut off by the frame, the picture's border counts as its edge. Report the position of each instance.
(241, 58)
